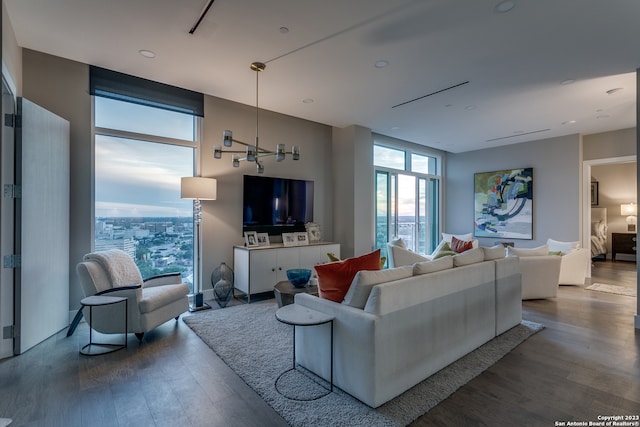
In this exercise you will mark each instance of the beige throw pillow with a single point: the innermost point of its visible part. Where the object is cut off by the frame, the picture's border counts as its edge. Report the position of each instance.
(432, 266)
(472, 256)
(522, 252)
(364, 281)
(494, 252)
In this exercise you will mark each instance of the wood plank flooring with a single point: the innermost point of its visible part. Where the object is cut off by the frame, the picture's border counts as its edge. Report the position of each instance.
(585, 363)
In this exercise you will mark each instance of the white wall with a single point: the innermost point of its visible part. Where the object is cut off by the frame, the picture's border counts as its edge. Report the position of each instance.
(557, 184)
(605, 145)
(353, 190)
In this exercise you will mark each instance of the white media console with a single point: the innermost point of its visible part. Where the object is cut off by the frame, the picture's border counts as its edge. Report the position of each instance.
(258, 269)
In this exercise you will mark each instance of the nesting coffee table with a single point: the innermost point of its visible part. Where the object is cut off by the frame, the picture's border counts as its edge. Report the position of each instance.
(297, 315)
(285, 292)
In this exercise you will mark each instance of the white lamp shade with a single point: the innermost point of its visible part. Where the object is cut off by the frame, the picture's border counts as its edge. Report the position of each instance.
(628, 209)
(196, 187)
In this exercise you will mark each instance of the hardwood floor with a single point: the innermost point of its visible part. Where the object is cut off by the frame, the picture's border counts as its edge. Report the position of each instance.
(584, 363)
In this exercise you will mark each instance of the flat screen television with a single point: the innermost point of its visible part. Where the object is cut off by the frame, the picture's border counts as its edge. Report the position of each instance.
(276, 205)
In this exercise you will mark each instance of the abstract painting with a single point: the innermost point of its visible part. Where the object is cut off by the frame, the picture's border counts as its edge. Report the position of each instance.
(503, 204)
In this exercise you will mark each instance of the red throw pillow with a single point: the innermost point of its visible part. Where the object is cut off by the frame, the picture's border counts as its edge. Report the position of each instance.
(335, 278)
(460, 246)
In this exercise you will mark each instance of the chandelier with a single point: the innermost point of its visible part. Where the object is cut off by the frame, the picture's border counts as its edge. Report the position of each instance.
(253, 152)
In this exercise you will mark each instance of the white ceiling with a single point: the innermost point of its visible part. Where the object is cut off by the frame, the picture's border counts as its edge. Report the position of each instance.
(514, 62)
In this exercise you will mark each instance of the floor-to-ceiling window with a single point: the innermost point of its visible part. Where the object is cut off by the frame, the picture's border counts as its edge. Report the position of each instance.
(142, 149)
(407, 197)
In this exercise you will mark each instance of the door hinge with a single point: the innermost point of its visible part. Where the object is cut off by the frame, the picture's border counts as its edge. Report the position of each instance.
(12, 191)
(12, 120)
(9, 332)
(12, 261)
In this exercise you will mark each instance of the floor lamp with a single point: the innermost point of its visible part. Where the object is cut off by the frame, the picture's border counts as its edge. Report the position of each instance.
(198, 189)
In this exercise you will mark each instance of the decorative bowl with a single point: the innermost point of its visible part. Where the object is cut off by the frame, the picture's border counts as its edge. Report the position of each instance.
(299, 277)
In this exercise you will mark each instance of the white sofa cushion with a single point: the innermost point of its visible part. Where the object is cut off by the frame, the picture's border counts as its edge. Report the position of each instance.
(494, 252)
(360, 288)
(404, 256)
(398, 242)
(525, 252)
(564, 247)
(432, 266)
(471, 256)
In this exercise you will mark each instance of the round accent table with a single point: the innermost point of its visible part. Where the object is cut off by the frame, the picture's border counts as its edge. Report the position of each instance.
(285, 292)
(99, 301)
(298, 315)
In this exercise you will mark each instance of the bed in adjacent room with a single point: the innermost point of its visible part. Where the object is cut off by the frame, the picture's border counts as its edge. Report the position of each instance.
(599, 234)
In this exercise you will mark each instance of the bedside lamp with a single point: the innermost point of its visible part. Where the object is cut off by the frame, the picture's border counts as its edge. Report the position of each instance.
(197, 189)
(630, 210)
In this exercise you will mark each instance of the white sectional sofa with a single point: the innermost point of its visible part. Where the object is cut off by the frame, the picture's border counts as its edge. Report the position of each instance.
(396, 328)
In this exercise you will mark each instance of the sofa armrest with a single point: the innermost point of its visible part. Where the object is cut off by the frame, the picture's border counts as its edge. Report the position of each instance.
(163, 279)
(342, 311)
(574, 266)
(133, 293)
(540, 276)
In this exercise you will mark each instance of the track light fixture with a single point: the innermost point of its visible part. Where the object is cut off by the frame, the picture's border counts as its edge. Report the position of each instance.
(253, 152)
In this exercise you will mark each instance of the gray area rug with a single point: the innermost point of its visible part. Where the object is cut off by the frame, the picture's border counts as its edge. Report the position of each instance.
(612, 289)
(259, 348)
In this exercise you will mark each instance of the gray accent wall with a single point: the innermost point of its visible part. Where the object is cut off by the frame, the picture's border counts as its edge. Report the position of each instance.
(557, 185)
(222, 218)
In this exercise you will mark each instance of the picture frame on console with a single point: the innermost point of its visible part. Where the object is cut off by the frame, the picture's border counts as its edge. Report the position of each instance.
(250, 239)
(263, 239)
(289, 239)
(302, 238)
(313, 229)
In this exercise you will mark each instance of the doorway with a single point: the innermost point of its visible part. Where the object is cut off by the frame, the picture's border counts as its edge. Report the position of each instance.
(607, 184)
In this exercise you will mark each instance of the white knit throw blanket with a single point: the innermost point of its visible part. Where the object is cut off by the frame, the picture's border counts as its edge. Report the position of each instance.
(118, 265)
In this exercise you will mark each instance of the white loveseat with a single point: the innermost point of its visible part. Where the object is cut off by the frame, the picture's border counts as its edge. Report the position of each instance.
(404, 327)
(574, 266)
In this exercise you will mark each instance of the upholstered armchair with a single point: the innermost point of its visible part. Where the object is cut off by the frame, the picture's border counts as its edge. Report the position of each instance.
(540, 271)
(152, 302)
(575, 261)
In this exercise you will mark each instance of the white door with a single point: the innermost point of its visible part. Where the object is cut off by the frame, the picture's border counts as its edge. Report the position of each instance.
(7, 156)
(42, 285)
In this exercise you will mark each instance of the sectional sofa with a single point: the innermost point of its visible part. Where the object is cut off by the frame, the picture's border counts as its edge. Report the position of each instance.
(398, 326)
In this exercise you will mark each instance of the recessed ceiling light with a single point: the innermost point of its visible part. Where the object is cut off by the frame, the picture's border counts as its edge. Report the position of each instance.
(395, 128)
(381, 63)
(470, 107)
(614, 90)
(307, 101)
(568, 122)
(147, 53)
(504, 6)
(284, 30)
(567, 82)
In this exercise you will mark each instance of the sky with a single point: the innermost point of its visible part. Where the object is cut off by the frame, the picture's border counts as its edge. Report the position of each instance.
(136, 178)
